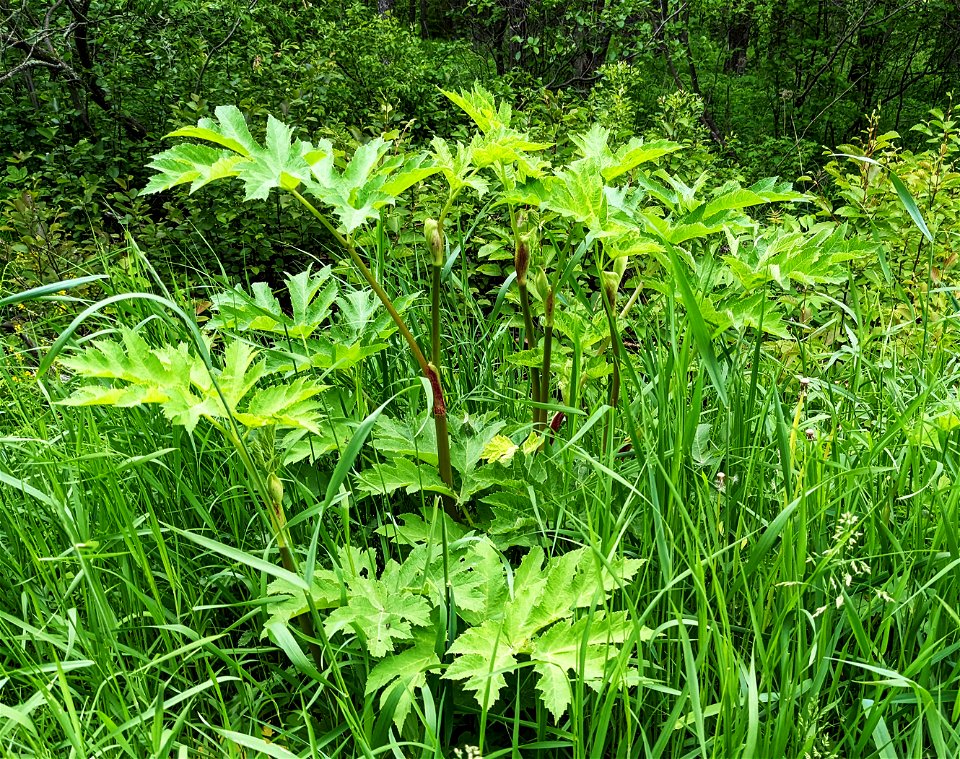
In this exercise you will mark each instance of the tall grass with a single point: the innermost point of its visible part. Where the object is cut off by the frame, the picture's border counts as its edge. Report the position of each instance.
(800, 595)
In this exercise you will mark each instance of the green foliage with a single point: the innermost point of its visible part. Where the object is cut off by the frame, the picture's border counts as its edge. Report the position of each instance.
(366, 184)
(751, 388)
(328, 328)
(178, 380)
(907, 205)
(537, 616)
(537, 621)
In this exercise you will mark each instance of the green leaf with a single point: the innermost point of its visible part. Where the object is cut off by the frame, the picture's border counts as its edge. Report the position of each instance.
(577, 192)
(482, 655)
(169, 376)
(413, 171)
(244, 558)
(51, 289)
(362, 316)
(471, 439)
(382, 618)
(310, 304)
(583, 648)
(281, 164)
(229, 131)
(476, 578)
(479, 105)
(287, 600)
(500, 449)
(701, 334)
(179, 382)
(357, 193)
(910, 204)
(458, 168)
(406, 670)
(239, 374)
(299, 444)
(593, 146)
(732, 197)
(549, 598)
(509, 148)
(288, 405)
(637, 152)
(906, 199)
(197, 165)
(311, 298)
(402, 474)
(259, 745)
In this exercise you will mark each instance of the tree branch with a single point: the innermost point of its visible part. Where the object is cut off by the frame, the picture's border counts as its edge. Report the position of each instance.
(216, 48)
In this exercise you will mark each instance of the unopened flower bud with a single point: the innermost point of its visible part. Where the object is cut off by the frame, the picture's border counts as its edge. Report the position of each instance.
(521, 259)
(611, 282)
(434, 237)
(620, 265)
(542, 284)
(548, 307)
(275, 488)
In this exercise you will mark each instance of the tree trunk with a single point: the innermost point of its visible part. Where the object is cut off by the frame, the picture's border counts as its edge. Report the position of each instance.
(738, 40)
(134, 129)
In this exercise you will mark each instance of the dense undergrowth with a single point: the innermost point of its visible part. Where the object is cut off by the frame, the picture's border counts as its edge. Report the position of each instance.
(548, 447)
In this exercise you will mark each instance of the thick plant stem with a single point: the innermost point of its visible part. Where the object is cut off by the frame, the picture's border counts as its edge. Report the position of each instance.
(613, 398)
(431, 374)
(547, 351)
(304, 620)
(272, 495)
(435, 318)
(531, 340)
(545, 374)
(443, 441)
(521, 263)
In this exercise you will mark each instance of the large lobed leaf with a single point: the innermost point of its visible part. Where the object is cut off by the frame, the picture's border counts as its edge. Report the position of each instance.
(382, 617)
(178, 381)
(366, 183)
(537, 620)
(311, 297)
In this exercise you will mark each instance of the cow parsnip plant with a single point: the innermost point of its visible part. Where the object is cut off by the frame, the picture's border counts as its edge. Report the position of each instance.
(351, 198)
(580, 230)
(548, 614)
(606, 217)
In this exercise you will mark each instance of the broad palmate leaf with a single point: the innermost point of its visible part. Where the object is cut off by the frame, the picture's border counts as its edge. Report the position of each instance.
(367, 182)
(406, 670)
(380, 615)
(538, 622)
(280, 163)
(177, 380)
(311, 297)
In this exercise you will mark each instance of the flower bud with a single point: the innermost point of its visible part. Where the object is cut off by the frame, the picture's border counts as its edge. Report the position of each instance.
(434, 237)
(548, 307)
(611, 283)
(275, 488)
(541, 284)
(620, 265)
(521, 259)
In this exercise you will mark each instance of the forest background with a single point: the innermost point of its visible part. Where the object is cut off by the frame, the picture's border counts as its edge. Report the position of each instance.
(89, 90)
(475, 378)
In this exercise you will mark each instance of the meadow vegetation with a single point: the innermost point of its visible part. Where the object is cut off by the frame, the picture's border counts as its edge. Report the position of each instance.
(503, 422)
